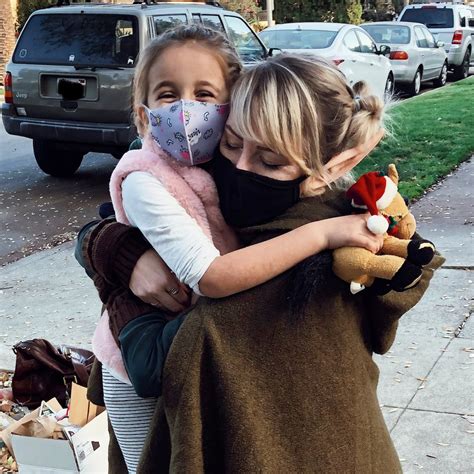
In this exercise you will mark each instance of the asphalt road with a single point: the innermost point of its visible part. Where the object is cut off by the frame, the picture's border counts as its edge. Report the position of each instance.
(38, 211)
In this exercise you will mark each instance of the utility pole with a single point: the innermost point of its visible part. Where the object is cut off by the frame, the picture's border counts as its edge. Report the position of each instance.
(269, 12)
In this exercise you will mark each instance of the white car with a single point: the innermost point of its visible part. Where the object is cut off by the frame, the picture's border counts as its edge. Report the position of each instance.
(349, 46)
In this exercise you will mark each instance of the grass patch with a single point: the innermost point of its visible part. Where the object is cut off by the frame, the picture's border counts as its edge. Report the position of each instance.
(433, 133)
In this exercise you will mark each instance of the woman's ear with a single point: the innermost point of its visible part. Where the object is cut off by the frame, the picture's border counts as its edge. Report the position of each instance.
(339, 166)
(345, 161)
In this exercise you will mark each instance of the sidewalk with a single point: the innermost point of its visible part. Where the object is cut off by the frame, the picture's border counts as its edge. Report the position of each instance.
(426, 381)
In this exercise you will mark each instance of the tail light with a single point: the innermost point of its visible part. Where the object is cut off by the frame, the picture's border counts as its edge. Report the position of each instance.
(8, 88)
(337, 61)
(457, 37)
(403, 55)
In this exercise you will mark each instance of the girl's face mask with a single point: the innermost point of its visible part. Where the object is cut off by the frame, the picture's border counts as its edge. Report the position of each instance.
(188, 130)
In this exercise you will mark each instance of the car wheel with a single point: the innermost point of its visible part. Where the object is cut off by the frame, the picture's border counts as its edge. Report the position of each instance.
(389, 87)
(415, 86)
(54, 160)
(462, 71)
(443, 76)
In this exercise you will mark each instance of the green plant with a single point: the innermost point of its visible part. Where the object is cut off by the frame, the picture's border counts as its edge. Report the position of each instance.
(247, 8)
(354, 12)
(26, 7)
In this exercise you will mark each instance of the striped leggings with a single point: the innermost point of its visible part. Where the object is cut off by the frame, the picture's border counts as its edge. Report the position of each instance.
(130, 417)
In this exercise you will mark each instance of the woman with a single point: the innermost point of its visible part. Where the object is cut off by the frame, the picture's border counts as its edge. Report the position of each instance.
(280, 377)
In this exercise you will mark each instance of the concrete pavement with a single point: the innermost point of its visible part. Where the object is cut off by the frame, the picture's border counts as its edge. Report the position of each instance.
(426, 380)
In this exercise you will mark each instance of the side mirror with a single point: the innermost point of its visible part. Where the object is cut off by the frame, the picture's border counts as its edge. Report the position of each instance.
(384, 50)
(274, 52)
(439, 44)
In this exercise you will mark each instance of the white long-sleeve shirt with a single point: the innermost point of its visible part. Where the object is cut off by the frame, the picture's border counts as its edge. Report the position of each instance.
(171, 231)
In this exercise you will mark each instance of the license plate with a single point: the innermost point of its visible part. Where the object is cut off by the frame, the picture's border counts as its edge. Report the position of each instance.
(71, 88)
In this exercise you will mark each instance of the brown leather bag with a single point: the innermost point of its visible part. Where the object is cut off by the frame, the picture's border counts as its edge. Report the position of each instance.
(44, 371)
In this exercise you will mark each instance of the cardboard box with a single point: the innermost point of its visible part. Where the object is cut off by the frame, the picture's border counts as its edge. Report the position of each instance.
(81, 410)
(86, 453)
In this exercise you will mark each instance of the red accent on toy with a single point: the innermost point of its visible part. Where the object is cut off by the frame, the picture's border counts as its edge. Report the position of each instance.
(369, 188)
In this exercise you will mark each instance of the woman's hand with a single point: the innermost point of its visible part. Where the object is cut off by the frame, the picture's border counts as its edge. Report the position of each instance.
(351, 231)
(154, 283)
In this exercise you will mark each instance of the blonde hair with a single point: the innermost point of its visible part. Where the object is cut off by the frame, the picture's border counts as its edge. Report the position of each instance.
(302, 107)
(207, 37)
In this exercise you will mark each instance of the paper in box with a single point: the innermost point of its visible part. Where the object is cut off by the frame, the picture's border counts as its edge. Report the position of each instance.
(86, 453)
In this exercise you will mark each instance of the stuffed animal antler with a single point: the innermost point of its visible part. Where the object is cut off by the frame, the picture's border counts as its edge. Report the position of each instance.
(398, 266)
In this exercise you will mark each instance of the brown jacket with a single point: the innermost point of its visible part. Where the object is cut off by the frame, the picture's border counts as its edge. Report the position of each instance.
(251, 387)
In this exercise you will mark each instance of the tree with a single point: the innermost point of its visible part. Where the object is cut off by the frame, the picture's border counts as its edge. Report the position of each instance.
(249, 9)
(289, 11)
(26, 7)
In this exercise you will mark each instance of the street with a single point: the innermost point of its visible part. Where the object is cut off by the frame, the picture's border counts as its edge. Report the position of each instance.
(38, 211)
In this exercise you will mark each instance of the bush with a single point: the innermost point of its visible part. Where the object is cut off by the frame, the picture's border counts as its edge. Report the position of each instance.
(26, 7)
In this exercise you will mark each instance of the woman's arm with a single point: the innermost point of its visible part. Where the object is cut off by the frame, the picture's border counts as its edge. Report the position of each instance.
(385, 311)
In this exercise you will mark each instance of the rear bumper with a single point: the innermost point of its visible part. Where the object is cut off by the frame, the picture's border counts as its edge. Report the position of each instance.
(455, 55)
(93, 136)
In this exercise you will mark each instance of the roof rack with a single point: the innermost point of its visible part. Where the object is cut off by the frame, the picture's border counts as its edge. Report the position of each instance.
(152, 2)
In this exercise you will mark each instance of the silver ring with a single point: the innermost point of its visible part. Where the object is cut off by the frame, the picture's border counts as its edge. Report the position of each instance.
(172, 291)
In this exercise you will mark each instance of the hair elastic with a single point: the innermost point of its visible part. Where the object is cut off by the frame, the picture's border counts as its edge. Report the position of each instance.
(357, 103)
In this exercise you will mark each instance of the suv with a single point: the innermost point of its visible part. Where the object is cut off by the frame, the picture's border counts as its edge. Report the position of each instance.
(450, 23)
(68, 85)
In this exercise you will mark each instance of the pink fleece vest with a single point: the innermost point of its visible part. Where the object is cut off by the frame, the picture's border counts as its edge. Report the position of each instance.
(195, 191)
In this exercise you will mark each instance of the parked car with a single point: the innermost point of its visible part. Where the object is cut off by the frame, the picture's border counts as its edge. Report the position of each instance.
(68, 84)
(451, 23)
(349, 46)
(415, 55)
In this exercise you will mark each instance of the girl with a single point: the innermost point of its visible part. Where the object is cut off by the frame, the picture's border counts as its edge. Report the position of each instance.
(175, 206)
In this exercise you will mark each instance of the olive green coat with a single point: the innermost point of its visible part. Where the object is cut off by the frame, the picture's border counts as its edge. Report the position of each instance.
(250, 387)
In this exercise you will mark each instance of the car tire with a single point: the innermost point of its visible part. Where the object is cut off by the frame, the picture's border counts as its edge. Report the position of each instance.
(443, 76)
(55, 160)
(415, 86)
(462, 71)
(389, 87)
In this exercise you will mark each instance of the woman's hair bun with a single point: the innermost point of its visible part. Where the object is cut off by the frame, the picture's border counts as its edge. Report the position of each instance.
(365, 101)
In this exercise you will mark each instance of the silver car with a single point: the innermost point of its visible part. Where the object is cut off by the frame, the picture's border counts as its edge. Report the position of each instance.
(453, 24)
(415, 55)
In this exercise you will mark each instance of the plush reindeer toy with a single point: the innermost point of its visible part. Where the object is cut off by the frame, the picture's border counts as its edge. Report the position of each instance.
(398, 266)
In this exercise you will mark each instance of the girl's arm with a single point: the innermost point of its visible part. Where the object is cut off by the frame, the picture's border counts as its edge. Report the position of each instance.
(251, 266)
(181, 243)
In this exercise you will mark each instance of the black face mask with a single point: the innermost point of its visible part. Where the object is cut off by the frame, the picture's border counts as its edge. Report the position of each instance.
(248, 198)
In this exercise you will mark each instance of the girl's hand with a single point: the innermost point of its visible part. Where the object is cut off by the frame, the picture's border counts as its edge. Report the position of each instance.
(154, 283)
(351, 231)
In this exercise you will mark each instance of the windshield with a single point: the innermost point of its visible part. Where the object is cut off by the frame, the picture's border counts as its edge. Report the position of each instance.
(431, 17)
(79, 40)
(298, 39)
(388, 33)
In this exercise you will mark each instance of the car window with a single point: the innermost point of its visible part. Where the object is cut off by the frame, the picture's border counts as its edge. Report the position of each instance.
(213, 21)
(432, 17)
(430, 41)
(298, 39)
(367, 44)
(244, 39)
(165, 22)
(86, 39)
(388, 34)
(421, 40)
(351, 41)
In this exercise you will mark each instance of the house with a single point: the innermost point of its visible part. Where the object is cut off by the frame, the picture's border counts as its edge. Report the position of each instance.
(7, 32)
